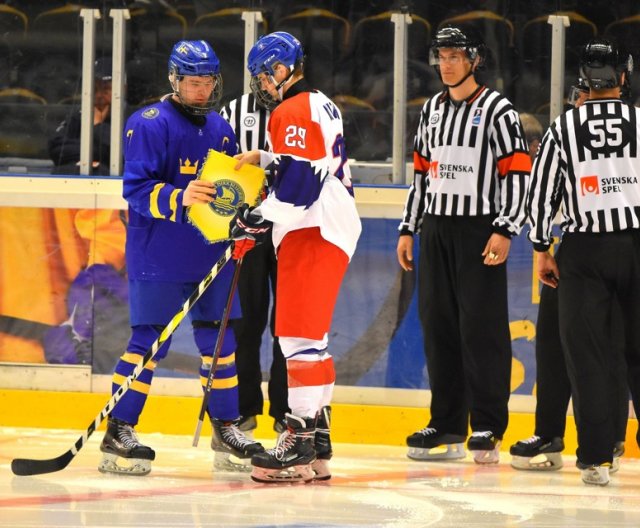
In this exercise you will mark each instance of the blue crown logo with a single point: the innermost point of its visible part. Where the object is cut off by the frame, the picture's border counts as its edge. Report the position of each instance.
(229, 196)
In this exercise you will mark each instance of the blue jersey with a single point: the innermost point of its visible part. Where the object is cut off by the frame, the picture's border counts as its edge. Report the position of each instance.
(163, 152)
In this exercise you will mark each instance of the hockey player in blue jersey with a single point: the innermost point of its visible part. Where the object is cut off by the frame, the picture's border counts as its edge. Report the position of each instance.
(164, 145)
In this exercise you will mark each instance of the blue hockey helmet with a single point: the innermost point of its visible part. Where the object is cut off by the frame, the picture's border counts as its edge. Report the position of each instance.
(270, 50)
(195, 58)
(275, 48)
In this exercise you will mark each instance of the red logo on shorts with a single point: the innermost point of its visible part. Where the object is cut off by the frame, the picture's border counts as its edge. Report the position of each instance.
(589, 185)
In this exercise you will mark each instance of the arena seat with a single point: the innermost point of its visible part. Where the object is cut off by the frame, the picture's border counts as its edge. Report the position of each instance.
(324, 37)
(224, 30)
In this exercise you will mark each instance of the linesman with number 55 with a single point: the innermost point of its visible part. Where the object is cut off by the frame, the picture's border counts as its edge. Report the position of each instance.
(589, 163)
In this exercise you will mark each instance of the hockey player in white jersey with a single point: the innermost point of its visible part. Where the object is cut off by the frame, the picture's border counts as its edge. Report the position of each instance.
(315, 231)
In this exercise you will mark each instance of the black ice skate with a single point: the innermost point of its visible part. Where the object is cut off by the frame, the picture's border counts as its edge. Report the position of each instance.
(484, 447)
(121, 442)
(536, 453)
(430, 444)
(233, 449)
(322, 443)
(291, 459)
(248, 424)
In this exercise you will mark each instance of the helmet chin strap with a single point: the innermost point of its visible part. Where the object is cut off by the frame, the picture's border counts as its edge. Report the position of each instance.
(469, 74)
(464, 78)
(280, 86)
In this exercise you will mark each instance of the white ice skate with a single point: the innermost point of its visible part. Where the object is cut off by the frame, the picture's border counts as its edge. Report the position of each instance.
(594, 475)
(618, 451)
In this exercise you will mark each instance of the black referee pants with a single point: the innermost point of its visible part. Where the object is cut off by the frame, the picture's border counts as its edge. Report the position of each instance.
(553, 386)
(464, 314)
(255, 284)
(595, 271)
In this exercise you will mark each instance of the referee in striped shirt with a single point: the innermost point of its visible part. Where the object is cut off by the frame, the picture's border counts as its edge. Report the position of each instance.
(471, 167)
(589, 164)
(257, 282)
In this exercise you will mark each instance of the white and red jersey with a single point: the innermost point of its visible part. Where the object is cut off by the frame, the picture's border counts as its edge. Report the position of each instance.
(312, 182)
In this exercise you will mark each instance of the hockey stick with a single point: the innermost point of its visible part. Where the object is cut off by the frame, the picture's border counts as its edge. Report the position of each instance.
(216, 352)
(26, 466)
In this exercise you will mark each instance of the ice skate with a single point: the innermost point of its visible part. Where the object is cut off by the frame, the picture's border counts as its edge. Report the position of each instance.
(248, 424)
(593, 474)
(322, 443)
(618, 451)
(119, 444)
(429, 444)
(291, 459)
(233, 450)
(279, 426)
(536, 453)
(484, 447)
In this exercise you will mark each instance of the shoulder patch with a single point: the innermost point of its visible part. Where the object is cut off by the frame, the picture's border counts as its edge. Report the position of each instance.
(151, 113)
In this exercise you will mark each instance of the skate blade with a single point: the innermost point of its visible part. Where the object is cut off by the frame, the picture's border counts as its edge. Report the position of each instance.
(615, 465)
(541, 462)
(135, 466)
(321, 469)
(443, 452)
(227, 462)
(283, 476)
(488, 456)
(595, 476)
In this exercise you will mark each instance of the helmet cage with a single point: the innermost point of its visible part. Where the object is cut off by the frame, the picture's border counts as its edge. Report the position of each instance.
(576, 90)
(263, 98)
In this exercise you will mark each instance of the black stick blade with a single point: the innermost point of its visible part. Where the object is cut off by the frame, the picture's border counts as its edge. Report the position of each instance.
(26, 466)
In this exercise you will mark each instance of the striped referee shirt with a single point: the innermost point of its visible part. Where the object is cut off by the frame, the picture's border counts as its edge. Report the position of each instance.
(588, 163)
(470, 159)
(249, 122)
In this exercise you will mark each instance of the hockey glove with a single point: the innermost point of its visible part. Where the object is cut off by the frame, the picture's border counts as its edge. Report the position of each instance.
(247, 229)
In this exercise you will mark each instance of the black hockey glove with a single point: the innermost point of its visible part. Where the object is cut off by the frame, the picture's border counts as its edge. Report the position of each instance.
(247, 229)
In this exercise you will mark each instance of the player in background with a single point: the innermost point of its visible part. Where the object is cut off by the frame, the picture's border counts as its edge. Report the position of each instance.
(164, 145)
(248, 116)
(543, 450)
(588, 168)
(315, 231)
(466, 202)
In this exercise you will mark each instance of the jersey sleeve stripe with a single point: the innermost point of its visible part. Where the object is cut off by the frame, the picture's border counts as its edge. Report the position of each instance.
(154, 206)
(516, 162)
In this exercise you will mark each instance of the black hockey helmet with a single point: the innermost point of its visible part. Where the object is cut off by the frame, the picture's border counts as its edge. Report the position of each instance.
(602, 64)
(458, 37)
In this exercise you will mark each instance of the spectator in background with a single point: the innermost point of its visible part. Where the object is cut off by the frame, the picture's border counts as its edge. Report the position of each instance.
(533, 132)
(64, 146)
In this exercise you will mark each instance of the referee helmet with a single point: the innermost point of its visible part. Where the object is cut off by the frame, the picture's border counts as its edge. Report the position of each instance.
(602, 64)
